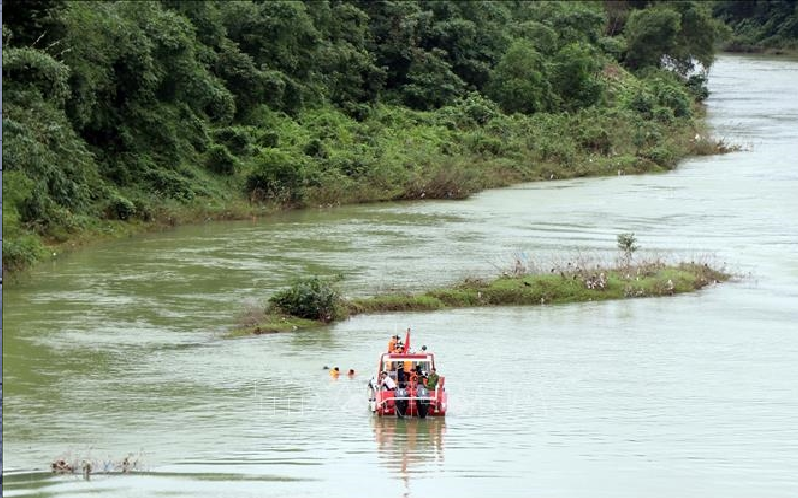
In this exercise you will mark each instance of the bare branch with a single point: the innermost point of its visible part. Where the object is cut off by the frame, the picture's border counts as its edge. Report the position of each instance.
(39, 38)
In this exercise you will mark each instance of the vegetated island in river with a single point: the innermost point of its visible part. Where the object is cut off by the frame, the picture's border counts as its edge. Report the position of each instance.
(314, 302)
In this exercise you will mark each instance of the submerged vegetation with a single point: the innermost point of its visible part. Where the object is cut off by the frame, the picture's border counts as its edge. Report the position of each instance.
(119, 116)
(313, 302)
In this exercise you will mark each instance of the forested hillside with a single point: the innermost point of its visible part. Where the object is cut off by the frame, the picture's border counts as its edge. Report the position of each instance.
(759, 25)
(123, 114)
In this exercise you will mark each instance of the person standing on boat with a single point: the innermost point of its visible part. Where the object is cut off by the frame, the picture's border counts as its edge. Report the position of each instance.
(387, 381)
(432, 380)
(400, 375)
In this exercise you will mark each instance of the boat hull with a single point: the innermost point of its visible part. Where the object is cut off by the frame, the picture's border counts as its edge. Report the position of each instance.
(387, 403)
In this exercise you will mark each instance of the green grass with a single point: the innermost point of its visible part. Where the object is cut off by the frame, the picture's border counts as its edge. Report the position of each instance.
(650, 280)
(394, 303)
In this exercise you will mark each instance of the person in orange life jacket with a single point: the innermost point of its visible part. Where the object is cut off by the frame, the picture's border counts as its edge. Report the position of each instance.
(414, 378)
(394, 345)
(335, 372)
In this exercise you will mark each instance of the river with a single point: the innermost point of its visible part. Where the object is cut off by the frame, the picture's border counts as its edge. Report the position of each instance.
(117, 350)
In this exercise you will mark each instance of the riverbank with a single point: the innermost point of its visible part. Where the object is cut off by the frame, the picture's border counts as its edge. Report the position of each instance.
(563, 284)
(434, 162)
(753, 49)
(338, 109)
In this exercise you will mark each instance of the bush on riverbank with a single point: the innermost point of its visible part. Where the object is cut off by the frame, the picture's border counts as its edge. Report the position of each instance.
(312, 298)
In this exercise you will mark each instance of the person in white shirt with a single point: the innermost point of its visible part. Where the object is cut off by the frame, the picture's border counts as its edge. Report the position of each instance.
(387, 381)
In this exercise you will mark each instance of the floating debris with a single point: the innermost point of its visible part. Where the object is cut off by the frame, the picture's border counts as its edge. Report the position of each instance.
(88, 466)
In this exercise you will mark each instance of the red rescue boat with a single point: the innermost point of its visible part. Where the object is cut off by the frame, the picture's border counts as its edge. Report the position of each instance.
(406, 383)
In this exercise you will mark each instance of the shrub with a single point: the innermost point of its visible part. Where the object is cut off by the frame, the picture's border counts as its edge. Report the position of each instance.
(697, 87)
(627, 244)
(170, 184)
(278, 176)
(120, 208)
(21, 252)
(315, 148)
(221, 161)
(144, 209)
(468, 112)
(642, 102)
(595, 138)
(309, 298)
(674, 97)
(613, 45)
(647, 134)
(481, 143)
(236, 139)
(269, 139)
(661, 155)
(663, 114)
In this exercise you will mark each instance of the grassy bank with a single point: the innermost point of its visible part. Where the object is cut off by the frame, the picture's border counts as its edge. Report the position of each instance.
(396, 154)
(257, 322)
(562, 285)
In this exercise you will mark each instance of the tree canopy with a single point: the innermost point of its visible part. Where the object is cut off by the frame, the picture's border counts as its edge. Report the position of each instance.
(112, 109)
(759, 24)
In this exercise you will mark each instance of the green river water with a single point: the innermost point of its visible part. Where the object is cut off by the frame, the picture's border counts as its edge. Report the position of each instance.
(117, 350)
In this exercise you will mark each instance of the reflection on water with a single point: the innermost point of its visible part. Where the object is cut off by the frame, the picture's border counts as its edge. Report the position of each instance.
(404, 443)
(407, 446)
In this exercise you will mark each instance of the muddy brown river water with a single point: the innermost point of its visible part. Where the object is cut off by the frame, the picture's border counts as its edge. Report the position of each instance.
(117, 350)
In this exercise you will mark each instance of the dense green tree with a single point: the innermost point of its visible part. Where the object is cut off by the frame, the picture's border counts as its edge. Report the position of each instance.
(35, 23)
(575, 76)
(759, 24)
(116, 109)
(696, 40)
(348, 73)
(56, 174)
(396, 28)
(520, 82)
(650, 34)
(473, 36)
(431, 83)
(676, 32)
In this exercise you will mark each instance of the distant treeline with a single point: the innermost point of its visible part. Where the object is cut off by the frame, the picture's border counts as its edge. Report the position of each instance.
(758, 25)
(118, 113)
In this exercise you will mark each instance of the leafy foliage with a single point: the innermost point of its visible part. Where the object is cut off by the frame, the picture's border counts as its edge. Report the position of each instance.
(627, 244)
(756, 25)
(520, 82)
(221, 161)
(311, 298)
(113, 110)
(277, 176)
